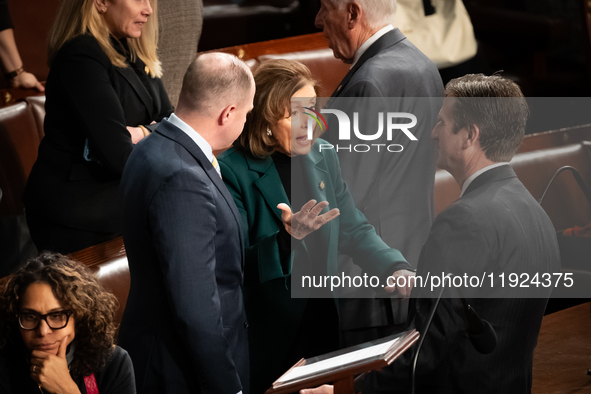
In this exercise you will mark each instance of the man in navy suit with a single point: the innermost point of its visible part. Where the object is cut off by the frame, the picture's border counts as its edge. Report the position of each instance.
(495, 227)
(184, 324)
(393, 190)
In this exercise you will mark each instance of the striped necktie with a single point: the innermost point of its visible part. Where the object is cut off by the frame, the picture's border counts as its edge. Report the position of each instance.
(216, 165)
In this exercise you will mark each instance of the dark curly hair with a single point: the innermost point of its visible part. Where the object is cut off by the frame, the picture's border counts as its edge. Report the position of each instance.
(75, 287)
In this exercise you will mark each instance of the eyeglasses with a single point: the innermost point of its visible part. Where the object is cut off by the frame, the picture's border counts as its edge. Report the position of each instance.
(55, 320)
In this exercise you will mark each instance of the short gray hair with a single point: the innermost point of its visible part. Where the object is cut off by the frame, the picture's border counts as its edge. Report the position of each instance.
(213, 81)
(379, 13)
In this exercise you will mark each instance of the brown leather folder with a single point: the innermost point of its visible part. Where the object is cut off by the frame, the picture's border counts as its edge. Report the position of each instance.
(342, 366)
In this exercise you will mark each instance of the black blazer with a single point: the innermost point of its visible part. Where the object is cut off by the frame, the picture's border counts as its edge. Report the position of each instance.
(495, 227)
(184, 324)
(88, 99)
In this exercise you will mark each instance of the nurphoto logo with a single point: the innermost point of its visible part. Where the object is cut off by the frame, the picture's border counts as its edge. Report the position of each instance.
(391, 119)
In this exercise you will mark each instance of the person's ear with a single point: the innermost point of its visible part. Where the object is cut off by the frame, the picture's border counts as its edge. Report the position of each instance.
(354, 12)
(472, 136)
(101, 6)
(226, 114)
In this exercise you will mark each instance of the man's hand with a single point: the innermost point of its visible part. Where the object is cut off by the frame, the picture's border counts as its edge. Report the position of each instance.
(402, 278)
(324, 389)
(307, 220)
(51, 372)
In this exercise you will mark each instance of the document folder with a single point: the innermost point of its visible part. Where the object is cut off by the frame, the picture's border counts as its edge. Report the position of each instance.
(340, 367)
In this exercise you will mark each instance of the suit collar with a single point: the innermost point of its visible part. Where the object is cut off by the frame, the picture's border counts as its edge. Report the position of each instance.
(389, 39)
(172, 132)
(369, 42)
(315, 156)
(492, 175)
(476, 174)
(262, 165)
(259, 165)
(194, 135)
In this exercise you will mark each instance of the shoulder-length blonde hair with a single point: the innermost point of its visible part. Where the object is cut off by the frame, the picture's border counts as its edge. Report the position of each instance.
(276, 82)
(76, 17)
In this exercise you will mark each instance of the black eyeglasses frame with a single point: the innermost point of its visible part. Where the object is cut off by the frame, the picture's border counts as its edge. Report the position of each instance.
(44, 317)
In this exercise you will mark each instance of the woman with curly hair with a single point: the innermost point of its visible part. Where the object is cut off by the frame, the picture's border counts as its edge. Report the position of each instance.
(57, 332)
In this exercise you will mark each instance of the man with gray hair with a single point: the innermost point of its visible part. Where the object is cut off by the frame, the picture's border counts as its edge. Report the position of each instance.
(184, 324)
(393, 190)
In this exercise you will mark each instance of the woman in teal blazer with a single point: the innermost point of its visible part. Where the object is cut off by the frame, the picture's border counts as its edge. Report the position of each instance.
(272, 163)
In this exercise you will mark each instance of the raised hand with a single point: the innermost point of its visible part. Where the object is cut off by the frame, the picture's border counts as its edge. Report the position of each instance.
(308, 219)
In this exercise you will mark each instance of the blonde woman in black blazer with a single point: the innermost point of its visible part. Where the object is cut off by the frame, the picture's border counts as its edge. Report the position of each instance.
(103, 88)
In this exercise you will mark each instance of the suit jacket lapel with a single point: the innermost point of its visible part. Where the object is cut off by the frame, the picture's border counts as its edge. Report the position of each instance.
(174, 133)
(321, 188)
(387, 40)
(130, 76)
(268, 183)
(317, 175)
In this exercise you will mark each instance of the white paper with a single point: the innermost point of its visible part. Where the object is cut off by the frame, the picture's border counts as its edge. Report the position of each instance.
(343, 359)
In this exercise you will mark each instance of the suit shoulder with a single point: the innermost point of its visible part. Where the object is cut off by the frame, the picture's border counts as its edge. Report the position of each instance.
(462, 220)
(461, 211)
(118, 372)
(407, 54)
(82, 47)
(401, 70)
(159, 157)
(119, 356)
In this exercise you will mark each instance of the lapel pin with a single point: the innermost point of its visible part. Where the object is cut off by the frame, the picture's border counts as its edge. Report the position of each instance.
(321, 185)
(147, 70)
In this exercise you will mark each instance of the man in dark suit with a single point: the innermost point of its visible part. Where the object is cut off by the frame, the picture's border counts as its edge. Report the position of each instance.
(184, 323)
(393, 190)
(495, 228)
